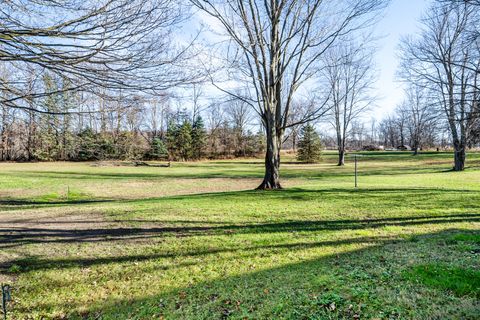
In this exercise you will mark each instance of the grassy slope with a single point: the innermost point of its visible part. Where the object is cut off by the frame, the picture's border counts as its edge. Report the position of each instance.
(191, 241)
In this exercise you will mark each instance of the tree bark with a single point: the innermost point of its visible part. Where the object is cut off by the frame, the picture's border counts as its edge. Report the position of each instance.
(341, 157)
(459, 157)
(271, 179)
(415, 146)
(294, 141)
(3, 137)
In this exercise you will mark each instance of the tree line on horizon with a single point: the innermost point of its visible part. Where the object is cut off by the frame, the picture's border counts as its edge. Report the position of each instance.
(139, 129)
(125, 129)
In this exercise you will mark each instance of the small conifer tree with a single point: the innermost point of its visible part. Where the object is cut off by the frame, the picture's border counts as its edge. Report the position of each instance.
(158, 150)
(171, 140)
(199, 138)
(309, 146)
(184, 141)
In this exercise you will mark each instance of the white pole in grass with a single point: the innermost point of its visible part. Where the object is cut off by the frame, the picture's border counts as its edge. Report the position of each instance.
(356, 184)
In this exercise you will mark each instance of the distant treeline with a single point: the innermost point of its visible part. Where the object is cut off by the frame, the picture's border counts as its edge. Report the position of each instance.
(123, 128)
(63, 138)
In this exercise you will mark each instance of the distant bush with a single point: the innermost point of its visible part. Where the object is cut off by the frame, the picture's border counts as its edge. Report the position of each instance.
(371, 148)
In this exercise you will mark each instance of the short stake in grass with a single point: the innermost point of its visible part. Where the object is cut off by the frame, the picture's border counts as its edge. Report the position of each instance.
(355, 160)
(6, 297)
(356, 183)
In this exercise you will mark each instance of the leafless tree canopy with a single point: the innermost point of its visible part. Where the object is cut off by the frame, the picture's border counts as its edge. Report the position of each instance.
(275, 48)
(445, 60)
(350, 75)
(110, 44)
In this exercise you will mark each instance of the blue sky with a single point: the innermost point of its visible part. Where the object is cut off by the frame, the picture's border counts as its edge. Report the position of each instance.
(401, 19)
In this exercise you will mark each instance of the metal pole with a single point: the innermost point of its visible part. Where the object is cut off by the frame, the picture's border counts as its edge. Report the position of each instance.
(356, 185)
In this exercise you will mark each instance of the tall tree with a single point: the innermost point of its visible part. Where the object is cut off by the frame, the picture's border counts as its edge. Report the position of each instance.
(445, 57)
(199, 136)
(420, 118)
(349, 73)
(280, 43)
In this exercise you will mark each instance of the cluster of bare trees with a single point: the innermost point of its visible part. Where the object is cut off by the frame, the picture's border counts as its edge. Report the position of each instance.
(127, 128)
(119, 45)
(96, 78)
(413, 123)
(444, 63)
(70, 65)
(78, 73)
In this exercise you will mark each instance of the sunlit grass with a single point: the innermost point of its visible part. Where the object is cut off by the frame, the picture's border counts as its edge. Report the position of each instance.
(194, 241)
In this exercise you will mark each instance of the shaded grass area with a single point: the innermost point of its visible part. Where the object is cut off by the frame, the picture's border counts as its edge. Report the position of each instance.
(458, 280)
(143, 243)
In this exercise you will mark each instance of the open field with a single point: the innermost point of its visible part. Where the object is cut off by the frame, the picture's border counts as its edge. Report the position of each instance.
(82, 240)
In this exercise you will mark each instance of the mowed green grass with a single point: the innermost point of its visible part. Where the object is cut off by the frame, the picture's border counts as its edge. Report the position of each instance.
(195, 241)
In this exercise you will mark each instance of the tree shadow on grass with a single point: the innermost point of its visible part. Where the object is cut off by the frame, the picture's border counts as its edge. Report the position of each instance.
(224, 171)
(318, 194)
(360, 283)
(12, 205)
(34, 235)
(395, 195)
(20, 232)
(39, 203)
(34, 263)
(121, 175)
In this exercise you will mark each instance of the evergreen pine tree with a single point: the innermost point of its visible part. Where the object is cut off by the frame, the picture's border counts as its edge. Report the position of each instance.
(171, 140)
(309, 146)
(87, 145)
(199, 138)
(158, 150)
(184, 141)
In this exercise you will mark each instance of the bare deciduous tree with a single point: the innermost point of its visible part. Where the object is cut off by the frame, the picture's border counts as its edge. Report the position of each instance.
(445, 59)
(420, 118)
(277, 49)
(348, 73)
(112, 44)
(240, 117)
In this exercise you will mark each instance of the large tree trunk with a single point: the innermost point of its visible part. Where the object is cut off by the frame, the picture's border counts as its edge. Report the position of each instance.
(341, 157)
(294, 141)
(459, 156)
(415, 147)
(271, 179)
(459, 140)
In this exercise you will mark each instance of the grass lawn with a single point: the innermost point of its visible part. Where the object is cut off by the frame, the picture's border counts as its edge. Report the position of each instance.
(193, 241)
